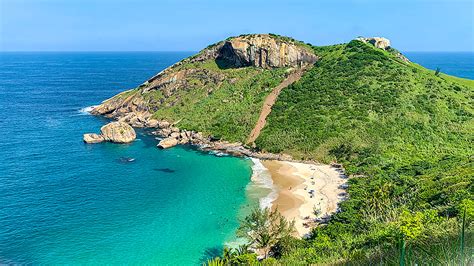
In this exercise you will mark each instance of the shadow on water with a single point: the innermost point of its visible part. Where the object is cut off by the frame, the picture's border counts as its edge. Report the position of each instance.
(164, 170)
(210, 253)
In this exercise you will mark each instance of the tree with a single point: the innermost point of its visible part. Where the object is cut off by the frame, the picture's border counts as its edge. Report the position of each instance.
(264, 228)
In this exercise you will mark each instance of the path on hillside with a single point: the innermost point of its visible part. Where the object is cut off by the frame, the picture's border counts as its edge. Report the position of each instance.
(270, 101)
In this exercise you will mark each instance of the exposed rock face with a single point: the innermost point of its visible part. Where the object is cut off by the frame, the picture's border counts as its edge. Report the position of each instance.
(379, 42)
(118, 132)
(264, 51)
(131, 109)
(93, 138)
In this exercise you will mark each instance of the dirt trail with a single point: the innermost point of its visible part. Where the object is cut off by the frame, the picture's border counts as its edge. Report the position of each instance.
(269, 102)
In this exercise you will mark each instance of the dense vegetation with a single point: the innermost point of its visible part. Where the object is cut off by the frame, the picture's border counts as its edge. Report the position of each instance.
(404, 133)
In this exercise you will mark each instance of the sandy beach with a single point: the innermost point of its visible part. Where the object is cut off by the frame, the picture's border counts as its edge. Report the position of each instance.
(303, 188)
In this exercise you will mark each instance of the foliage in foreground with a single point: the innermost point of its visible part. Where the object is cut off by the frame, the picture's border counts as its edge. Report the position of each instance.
(264, 229)
(447, 242)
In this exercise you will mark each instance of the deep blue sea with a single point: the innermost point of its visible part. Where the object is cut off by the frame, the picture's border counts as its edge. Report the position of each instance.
(460, 64)
(63, 201)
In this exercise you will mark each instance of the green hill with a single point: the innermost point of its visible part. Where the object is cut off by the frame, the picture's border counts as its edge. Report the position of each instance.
(404, 134)
(218, 91)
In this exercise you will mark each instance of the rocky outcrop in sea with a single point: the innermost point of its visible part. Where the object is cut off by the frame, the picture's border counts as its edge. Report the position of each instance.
(116, 132)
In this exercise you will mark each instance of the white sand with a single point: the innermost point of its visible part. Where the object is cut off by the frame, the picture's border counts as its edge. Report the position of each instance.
(295, 181)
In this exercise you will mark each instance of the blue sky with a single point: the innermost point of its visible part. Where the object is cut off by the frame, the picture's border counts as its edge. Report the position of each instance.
(146, 25)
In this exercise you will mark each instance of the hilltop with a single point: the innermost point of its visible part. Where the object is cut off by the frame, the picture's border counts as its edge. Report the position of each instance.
(218, 91)
(403, 133)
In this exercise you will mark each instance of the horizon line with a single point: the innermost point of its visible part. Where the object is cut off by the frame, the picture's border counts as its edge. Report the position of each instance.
(181, 51)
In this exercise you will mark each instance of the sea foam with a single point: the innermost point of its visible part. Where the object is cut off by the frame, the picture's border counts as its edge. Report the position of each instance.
(87, 110)
(261, 178)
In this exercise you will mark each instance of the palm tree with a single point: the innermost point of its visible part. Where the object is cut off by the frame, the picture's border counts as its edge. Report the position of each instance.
(264, 228)
(242, 249)
(227, 254)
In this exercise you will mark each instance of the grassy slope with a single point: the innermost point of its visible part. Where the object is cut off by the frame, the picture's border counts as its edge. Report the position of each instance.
(409, 132)
(228, 110)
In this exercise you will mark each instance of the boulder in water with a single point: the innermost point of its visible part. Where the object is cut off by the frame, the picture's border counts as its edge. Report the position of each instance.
(93, 138)
(118, 132)
(168, 143)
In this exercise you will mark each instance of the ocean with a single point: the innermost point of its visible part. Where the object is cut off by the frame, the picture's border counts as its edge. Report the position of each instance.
(460, 64)
(66, 202)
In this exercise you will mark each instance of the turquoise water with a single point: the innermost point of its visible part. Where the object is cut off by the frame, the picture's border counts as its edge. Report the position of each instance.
(62, 201)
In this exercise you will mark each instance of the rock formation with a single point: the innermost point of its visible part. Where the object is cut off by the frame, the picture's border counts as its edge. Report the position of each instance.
(384, 44)
(379, 42)
(174, 136)
(130, 109)
(168, 143)
(263, 51)
(117, 132)
(93, 138)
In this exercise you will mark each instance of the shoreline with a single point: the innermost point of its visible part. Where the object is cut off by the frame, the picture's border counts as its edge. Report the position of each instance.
(304, 187)
(297, 187)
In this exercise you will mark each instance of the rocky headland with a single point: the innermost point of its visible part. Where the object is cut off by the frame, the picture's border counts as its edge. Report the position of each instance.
(259, 50)
(263, 51)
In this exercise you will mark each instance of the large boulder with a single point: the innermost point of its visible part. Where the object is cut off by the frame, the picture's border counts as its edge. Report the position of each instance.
(165, 132)
(118, 132)
(93, 138)
(163, 124)
(175, 135)
(168, 143)
(183, 140)
(152, 123)
(384, 44)
(379, 42)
